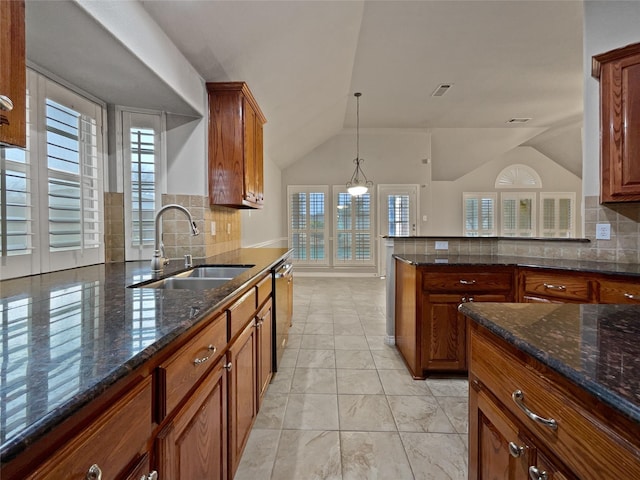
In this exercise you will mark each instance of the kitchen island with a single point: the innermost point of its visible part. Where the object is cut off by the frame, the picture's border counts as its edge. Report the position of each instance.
(74, 341)
(554, 390)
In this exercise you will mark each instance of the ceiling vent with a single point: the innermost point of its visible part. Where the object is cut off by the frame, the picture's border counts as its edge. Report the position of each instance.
(518, 120)
(441, 89)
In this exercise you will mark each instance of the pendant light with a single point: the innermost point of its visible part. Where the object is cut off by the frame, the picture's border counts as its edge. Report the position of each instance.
(359, 184)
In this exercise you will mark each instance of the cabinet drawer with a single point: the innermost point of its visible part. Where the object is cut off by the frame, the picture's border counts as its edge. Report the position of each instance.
(186, 367)
(615, 291)
(264, 289)
(564, 287)
(588, 447)
(241, 312)
(466, 282)
(112, 442)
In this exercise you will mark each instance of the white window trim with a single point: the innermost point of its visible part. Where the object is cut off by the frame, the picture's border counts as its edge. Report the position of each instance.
(352, 263)
(291, 189)
(571, 196)
(480, 195)
(124, 119)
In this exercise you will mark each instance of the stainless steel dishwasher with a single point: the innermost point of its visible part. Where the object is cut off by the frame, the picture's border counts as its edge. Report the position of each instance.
(283, 308)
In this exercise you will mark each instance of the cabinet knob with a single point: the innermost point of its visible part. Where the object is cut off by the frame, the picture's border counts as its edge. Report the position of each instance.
(5, 103)
(228, 366)
(536, 474)
(94, 473)
(150, 476)
(467, 282)
(559, 288)
(631, 296)
(515, 450)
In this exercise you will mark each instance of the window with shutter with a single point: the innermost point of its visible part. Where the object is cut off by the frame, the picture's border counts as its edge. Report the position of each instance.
(51, 193)
(478, 216)
(308, 231)
(558, 216)
(353, 228)
(518, 214)
(143, 160)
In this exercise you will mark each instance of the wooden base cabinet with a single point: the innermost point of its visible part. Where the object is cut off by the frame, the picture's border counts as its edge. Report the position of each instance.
(528, 422)
(111, 446)
(430, 333)
(501, 450)
(243, 395)
(264, 343)
(193, 444)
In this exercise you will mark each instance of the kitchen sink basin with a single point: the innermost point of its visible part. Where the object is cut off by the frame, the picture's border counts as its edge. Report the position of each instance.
(198, 278)
(222, 271)
(189, 283)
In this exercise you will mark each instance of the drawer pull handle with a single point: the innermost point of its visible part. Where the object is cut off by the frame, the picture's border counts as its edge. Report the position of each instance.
(467, 282)
(5, 103)
(631, 296)
(94, 473)
(228, 366)
(536, 474)
(198, 361)
(518, 398)
(560, 288)
(515, 451)
(151, 476)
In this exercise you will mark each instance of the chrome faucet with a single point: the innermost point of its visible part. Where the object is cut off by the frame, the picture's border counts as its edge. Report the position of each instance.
(159, 260)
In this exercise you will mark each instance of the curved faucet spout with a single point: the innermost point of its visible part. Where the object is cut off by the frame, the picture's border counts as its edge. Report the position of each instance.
(159, 261)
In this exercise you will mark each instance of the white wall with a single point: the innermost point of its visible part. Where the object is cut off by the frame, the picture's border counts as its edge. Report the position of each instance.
(390, 156)
(267, 227)
(608, 25)
(187, 155)
(555, 178)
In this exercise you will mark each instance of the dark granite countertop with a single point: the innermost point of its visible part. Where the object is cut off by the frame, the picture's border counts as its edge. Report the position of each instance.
(67, 336)
(597, 347)
(506, 260)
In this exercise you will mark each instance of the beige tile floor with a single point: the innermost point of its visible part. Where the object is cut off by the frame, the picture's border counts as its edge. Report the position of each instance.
(343, 405)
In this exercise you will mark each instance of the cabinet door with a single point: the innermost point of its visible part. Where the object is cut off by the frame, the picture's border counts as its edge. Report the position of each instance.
(242, 392)
(13, 74)
(444, 330)
(496, 451)
(264, 325)
(619, 73)
(249, 152)
(193, 445)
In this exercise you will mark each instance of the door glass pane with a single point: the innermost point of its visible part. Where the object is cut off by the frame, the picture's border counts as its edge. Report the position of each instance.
(398, 215)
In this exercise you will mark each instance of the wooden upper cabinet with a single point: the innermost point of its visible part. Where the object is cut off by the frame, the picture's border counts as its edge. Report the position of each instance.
(13, 74)
(619, 74)
(235, 146)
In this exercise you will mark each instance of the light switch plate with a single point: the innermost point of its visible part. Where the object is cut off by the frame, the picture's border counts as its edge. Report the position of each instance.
(213, 229)
(603, 231)
(442, 245)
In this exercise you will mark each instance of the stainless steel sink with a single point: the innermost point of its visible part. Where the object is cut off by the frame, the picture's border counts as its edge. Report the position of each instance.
(189, 283)
(198, 278)
(221, 271)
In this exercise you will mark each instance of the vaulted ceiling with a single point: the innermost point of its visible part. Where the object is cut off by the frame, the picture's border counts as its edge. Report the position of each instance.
(303, 60)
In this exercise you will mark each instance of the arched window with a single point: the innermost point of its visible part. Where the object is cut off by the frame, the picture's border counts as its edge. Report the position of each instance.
(518, 176)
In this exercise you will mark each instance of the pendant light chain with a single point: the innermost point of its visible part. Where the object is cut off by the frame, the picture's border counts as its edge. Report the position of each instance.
(356, 186)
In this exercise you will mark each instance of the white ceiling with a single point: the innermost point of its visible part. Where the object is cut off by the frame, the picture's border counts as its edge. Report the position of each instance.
(303, 60)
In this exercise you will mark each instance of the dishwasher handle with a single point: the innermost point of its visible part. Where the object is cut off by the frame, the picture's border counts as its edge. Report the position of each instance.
(284, 270)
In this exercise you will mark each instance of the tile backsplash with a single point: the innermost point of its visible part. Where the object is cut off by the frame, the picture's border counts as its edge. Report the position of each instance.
(621, 248)
(176, 234)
